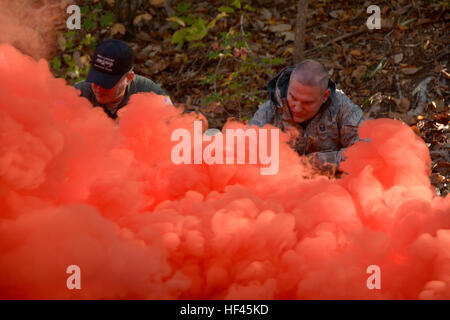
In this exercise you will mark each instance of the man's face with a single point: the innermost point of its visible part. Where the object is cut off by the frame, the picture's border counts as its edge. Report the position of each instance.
(305, 101)
(116, 93)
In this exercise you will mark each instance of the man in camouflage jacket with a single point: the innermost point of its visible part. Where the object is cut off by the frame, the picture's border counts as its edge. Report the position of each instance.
(323, 120)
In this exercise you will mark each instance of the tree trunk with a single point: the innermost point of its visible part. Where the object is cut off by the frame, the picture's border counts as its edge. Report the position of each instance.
(300, 26)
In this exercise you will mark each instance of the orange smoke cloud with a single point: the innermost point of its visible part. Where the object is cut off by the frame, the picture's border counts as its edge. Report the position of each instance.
(29, 25)
(77, 188)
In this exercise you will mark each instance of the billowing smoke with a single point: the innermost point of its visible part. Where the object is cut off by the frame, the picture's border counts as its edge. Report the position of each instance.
(30, 25)
(77, 188)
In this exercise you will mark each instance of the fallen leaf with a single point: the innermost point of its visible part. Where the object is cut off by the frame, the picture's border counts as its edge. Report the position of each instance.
(423, 21)
(348, 81)
(415, 129)
(280, 28)
(387, 23)
(359, 72)
(266, 14)
(157, 3)
(272, 21)
(177, 20)
(288, 36)
(403, 104)
(288, 51)
(356, 53)
(398, 58)
(85, 60)
(402, 10)
(118, 28)
(157, 67)
(402, 27)
(409, 71)
(142, 17)
(144, 36)
(445, 73)
(335, 13)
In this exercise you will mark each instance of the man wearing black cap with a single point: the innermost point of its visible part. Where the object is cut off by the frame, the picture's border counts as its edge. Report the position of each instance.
(111, 80)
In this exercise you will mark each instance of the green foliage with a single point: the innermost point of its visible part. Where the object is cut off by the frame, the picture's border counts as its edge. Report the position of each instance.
(107, 19)
(374, 68)
(226, 9)
(236, 3)
(77, 45)
(182, 7)
(227, 89)
(194, 28)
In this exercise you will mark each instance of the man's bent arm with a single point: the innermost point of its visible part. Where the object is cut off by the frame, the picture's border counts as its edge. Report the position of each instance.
(350, 119)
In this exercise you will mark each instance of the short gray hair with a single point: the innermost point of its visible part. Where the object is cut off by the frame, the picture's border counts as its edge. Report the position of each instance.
(311, 73)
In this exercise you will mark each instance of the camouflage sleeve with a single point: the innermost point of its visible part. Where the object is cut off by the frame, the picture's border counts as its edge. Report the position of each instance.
(349, 118)
(264, 115)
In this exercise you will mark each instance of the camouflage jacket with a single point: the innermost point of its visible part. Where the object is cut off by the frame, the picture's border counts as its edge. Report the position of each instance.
(322, 138)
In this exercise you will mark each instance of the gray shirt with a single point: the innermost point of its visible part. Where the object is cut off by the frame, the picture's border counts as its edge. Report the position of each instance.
(139, 84)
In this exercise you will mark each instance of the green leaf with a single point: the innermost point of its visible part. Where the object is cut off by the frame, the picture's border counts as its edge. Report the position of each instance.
(197, 45)
(374, 68)
(277, 61)
(56, 63)
(69, 44)
(69, 34)
(84, 9)
(189, 20)
(89, 25)
(236, 3)
(212, 24)
(107, 19)
(197, 31)
(213, 97)
(179, 36)
(183, 7)
(226, 9)
(212, 55)
(251, 9)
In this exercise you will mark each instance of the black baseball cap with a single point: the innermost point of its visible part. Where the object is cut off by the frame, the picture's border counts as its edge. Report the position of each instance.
(111, 60)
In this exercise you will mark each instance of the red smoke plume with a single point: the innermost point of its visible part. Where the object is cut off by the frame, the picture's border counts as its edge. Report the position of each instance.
(76, 188)
(30, 24)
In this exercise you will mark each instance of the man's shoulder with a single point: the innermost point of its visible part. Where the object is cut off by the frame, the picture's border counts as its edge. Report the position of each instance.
(347, 111)
(264, 114)
(143, 84)
(341, 102)
(84, 87)
(81, 85)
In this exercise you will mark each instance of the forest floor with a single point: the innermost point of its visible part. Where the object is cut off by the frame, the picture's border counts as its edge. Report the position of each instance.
(220, 67)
